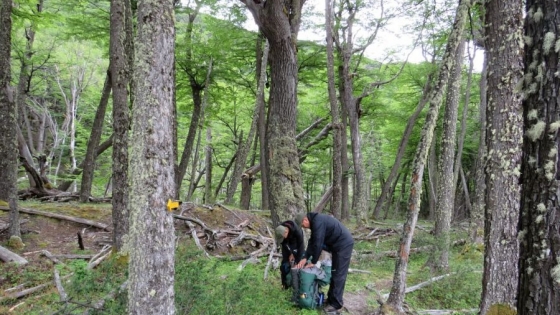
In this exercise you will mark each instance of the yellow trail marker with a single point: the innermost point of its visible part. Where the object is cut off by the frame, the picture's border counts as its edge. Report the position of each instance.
(173, 204)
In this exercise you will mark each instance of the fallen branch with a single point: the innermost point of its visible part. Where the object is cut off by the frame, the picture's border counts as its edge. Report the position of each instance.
(73, 256)
(392, 253)
(196, 239)
(421, 285)
(50, 256)
(446, 312)
(25, 292)
(350, 270)
(59, 287)
(9, 256)
(272, 250)
(97, 259)
(61, 217)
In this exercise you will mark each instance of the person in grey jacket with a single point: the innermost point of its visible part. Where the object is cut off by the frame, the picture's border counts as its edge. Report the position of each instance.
(327, 233)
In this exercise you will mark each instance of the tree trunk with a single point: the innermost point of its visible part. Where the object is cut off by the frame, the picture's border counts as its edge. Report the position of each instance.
(265, 204)
(447, 181)
(121, 54)
(345, 188)
(208, 194)
(432, 181)
(351, 105)
(386, 191)
(24, 81)
(284, 170)
(196, 89)
(539, 261)
(396, 297)
(477, 214)
(193, 182)
(336, 201)
(152, 233)
(94, 139)
(245, 147)
(504, 140)
(8, 122)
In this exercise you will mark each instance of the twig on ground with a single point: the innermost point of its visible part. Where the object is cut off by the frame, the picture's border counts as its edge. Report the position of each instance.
(59, 287)
(196, 239)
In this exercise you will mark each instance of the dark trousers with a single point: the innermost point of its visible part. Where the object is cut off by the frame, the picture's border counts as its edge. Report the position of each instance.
(340, 264)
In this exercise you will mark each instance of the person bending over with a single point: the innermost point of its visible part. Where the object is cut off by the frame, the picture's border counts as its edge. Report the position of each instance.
(327, 233)
(290, 237)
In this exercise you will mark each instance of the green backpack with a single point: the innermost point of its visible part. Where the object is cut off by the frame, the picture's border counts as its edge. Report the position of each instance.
(307, 284)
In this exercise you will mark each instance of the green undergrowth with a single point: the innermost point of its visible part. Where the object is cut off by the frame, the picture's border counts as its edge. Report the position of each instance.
(208, 286)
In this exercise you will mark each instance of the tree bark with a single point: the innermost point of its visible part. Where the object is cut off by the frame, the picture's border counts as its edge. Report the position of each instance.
(447, 181)
(477, 214)
(152, 178)
(284, 170)
(121, 51)
(336, 201)
(8, 122)
(503, 28)
(94, 139)
(396, 297)
(538, 292)
(263, 117)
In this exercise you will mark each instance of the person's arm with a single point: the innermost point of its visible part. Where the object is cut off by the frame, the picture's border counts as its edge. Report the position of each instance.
(315, 245)
(300, 244)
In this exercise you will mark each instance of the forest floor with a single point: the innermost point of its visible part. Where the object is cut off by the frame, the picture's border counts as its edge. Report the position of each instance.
(44, 235)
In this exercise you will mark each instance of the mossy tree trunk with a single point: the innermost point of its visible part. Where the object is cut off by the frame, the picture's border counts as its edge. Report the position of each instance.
(396, 296)
(279, 22)
(539, 272)
(121, 53)
(447, 182)
(8, 121)
(504, 46)
(152, 178)
(336, 200)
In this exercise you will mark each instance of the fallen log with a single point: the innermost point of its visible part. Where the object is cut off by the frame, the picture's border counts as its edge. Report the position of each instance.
(61, 217)
(9, 256)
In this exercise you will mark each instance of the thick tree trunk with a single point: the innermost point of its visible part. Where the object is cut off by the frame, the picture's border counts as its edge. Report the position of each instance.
(447, 181)
(396, 297)
(336, 201)
(504, 140)
(284, 177)
(8, 122)
(121, 54)
(539, 261)
(152, 233)
(93, 142)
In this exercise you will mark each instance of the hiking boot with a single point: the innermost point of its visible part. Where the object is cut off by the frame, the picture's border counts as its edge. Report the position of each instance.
(331, 310)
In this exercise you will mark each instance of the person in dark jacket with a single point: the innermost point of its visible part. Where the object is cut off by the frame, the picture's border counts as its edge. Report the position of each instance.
(327, 233)
(290, 236)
